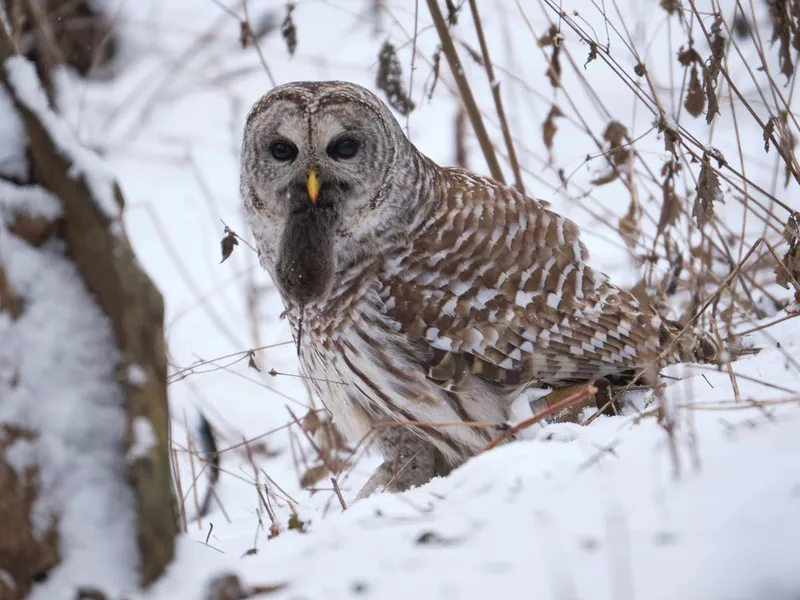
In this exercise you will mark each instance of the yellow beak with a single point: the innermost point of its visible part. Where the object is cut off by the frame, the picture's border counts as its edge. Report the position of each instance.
(313, 186)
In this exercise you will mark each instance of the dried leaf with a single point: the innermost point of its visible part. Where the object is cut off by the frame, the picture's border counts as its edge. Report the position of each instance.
(288, 29)
(695, 99)
(629, 225)
(245, 34)
(671, 6)
(554, 68)
(709, 191)
(436, 61)
(251, 361)
(549, 127)
(431, 538)
(311, 422)
(296, 524)
(784, 27)
(553, 38)
(710, 86)
(716, 154)
(689, 56)
(390, 80)
(608, 177)
(670, 204)
(313, 475)
(549, 38)
(640, 69)
(452, 12)
(741, 26)
(616, 134)
(717, 48)
(228, 242)
(592, 53)
(788, 274)
(769, 129)
(671, 136)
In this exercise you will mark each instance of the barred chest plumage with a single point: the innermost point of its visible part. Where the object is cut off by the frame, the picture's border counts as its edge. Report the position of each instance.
(367, 370)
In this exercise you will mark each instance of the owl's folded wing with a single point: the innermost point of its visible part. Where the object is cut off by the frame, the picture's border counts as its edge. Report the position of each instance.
(498, 286)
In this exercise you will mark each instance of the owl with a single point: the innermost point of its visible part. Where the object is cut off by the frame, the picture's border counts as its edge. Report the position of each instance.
(424, 297)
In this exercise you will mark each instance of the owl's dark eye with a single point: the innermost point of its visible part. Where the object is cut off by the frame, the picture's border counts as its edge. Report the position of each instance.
(283, 151)
(343, 148)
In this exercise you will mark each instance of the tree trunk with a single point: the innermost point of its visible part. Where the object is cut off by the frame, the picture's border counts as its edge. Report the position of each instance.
(89, 227)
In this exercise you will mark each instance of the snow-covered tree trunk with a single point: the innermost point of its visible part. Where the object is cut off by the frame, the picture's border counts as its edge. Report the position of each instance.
(86, 499)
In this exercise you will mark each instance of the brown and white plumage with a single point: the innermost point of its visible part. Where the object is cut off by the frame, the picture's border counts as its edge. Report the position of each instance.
(423, 294)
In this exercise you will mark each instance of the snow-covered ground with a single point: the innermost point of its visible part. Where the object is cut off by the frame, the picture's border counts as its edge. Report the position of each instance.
(605, 511)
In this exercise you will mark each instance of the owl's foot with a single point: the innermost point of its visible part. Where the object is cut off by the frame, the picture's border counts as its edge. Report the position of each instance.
(408, 462)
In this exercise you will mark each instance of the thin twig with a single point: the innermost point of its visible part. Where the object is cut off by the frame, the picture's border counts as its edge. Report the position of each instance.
(471, 106)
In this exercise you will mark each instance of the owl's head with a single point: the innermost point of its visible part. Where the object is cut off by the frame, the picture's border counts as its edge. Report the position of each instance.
(321, 164)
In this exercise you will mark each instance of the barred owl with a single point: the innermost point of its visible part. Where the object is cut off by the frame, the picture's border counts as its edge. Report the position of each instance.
(419, 294)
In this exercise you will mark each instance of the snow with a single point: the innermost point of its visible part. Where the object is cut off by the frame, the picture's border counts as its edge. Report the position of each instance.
(144, 438)
(60, 356)
(567, 511)
(21, 75)
(137, 375)
(13, 160)
(30, 200)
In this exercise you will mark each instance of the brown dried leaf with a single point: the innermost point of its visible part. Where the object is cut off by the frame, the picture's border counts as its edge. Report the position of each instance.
(288, 29)
(640, 69)
(228, 242)
(390, 80)
(769, 129)
(710, 86)
(689, 56)
(592, 53)
(553, 38)
(608, 177)
(671, 6)
(695, 99)
(435, 62)
(549, 127)
(783, 28)
(313, 475)
(709, 191)
(717, 48)
(629, 225)
(311, 422)
(616, 134)
(549, 38)
(251, 361)
(741, 26)
(316, 473)
(554, 68)
(671, 135)
(670, 205)
(452, 12)
(788, 274)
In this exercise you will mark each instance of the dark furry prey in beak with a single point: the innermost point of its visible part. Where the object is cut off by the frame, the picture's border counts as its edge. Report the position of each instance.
(305, 264)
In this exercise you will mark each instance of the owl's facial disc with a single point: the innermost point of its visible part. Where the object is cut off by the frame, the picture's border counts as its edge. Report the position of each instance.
(316, 165)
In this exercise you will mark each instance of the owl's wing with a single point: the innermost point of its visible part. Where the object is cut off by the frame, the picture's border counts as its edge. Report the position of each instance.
(498, 286)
